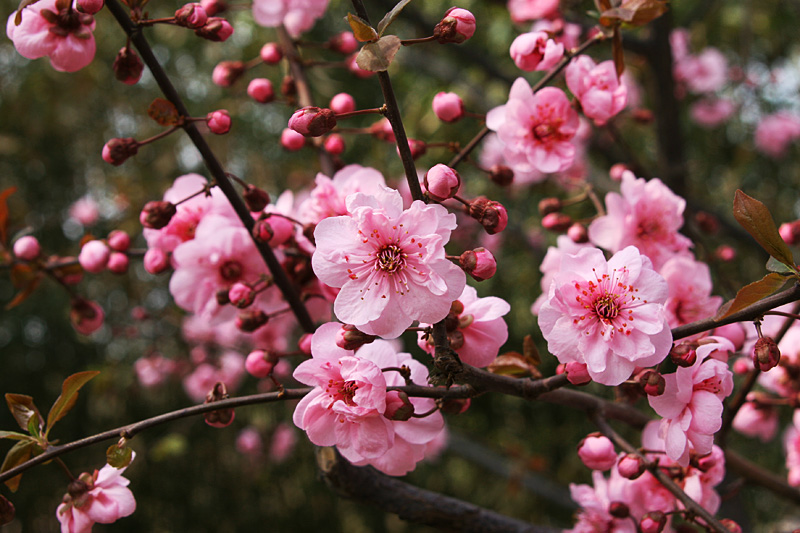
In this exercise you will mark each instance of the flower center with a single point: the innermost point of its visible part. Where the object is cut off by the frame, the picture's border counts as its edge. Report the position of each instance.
(712, 385)
(343, 390)
(543, 131)
(390, 258)
(606, 307)
(230, 270)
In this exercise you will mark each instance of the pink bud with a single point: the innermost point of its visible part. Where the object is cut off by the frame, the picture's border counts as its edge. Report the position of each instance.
(501, 175)
(457, 26)
(653, 522)
(127, 66)
(615, 173)
(334, 144)
(27, 248)
(291, 140)
(344, 43)
(398, 406)
(442, 182)
(448, 107)
(215, 29)
(89, 6)
(417, 148)
(478, 263)
(652, 382)
(577, 232)
(313, 121)
(492, 215)
(116, 151)
(118, 262)
(597, 452)
(119, 241)
(304, 344)
(156, 261)
(577, 373)
(191, 16)
(742, 366)
(271, 53)
(382, 130)
(86, 316)
(350, 338)
(250, 320)
(262, 231)
(255, 198)
(260, 90)
(219, 122)
(789, 232)
(353, 67)
(631, 466)
(343, 103)
(259, 363)
(214, 7)
(241, 295)
(249, 442)
(94, 256)
(557, 222)
(683, 355)
(157, 214)
(766, 354)
(725, 253)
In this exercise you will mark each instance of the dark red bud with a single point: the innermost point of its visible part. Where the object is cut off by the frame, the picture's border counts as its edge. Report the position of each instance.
(251, 319)
(501, 175)
(766, 354)
(256, 199)
(157, 214)
(683, 355)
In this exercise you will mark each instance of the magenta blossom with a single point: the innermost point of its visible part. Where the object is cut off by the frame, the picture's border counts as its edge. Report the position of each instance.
(597, 88)
(536, 129)
(691, 405)
(607, 314)
(389, 262)
(536, 51)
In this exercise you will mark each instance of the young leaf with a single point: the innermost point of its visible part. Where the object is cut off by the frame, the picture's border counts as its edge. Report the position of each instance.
(18, 454)
(752, 293)
(757, 220)
(4, 210)
(390, 16)
(514, 364)
(377, 56)
(13, 435)
(6, 511)
(69, 395)
(362, 31)
(164, 112)
(773, 265)
(119, 457)
(22, 409)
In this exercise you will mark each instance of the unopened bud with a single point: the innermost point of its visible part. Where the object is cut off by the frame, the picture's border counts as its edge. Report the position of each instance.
(725, 253)
(501, 175)
(549, 205)
(157, 214)
(343, 103)
(334, 144)
(652, 382)
(291, 140)
(260, 363)
(705, 463)
(191, 16)
(653, 522)
(457, 26)
(27, 248)
(119, 241)
(619, 510)
(128, 66)
(289, 88)
(398, 406)
(214, 7)
(557, 222)
(790, 232)
(442, 182)
(215, 29)
(313, 121)
(597, 452)
(733, 527)
(344, 43)
(271, 53)
(616, 171)
(478, 263)
(382, 130)
(241, 295)
(89, 7)
(683, 355)
(117, 151)
(94, 256)
(118, 263)
(642, 115)
(255, 198)
(448, 107)
(492, 215)
(577, 373)
(304, 344)
(219, 122)
(251, 319)
(631, 466)
(260, 90)
(223, 417)
(577, 232)
(350, 338)
(223, 296)
(707, 222)
(766, 354)
(417, 148)
(86, 316)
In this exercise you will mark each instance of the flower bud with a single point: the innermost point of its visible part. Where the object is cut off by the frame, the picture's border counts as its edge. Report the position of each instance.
(255, 198)
(304, 343)
(732, 526)
(478, 263)
(214, 7)
(27, 248)
(291, 140)
(652, 382)
(157, 214)
(766, 354)
(352, 66)
(725, 253)
(619, 510)
(457, 26)
(631, 466)
(116, 151)
(86, 316)
(556, 222)
(448, 107)
(334, 144)
(344, 43)
(442, 182)
(501, 175)
(615, 173)
(89, 7)
(343, 103)
(119, 241)
(191, 16)
(262, 230)
(118, 263)
(312, 121)
(219, 122)
(417, 147)
(707, 222)
(94, 256)
(642, 115)
(653, 522)
(260, 90)
(790, 232)
(683, 355)
(127, 66)
(597, 452)
(215, 29)
(260, 363)
(577, 232)
(492, 215)
(398, 406)
(549, 205)
(223, 296)
(382, 130)
(223, 417)
(241, 295)
(350, 338)
(271, 53)
(156, 261)
(742, 366)
(251, 319)
(577, 373)
(7, 511)
(455, 406)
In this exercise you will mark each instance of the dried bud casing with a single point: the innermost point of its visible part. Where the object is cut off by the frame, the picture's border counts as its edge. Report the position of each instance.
(350, 338)
(251, 319)
(157, 214)
(683, 355)
(255, 198)
(223, 417)
(127, 66)
(766, 354)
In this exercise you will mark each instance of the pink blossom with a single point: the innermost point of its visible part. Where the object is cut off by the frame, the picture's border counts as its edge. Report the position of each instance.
(291, 140)
(703, 73)
(536, 51)
(791, 447)
(597, 88)
(711, 112)
(480, 327)
(283, 441)
(536, 129)
(691, 406)
(297, 15)
(260, 90)
(389, 263)
(597, 452)
(456, 26)
(229, 370)
(448, 106)
(566, 33)
(85, 210)
(27, 248)
(756, 420)
(690, 288)
(63, 35)
(271, 53)
(596, 501)
(646, 215)
(523, 10)
(249, 442)
(442, 182)
(327, 199)
(343, 103)
(609, 315)
(152, 370)
(551, 265)
(776, 132)
(104, 498)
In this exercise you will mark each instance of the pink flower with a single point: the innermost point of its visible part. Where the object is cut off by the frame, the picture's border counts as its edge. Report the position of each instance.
(711, 112)
(85, 210)
(291, 140)
(297, 15)
(153, 370)
(756, 420)
(536, 51)
(480, 328)
(389, 263)
(791, 446)
(283, 441)
(456, 26)
(249, 442)
(609, 315)
(229, 370)
(596, 502)
(566, 33)
(103, 497)
(551, 266)
(776, 132)
(523, 10)
(703, 73)
(647, 215)
(442, 182)
(691, 406)
(597, 88)
(64, 35)
(690, 287)
(343, 103)
(327, 199)
(536, 129)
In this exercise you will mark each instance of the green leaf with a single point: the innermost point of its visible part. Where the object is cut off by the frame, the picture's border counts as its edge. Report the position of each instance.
(752, 293)
(22, 409)
(17, 455)
(757, 220)
(377, 56)
(362, 31)
(119, 457)
(773, 265)
(34, 425)
(69, 395)
(390, 16)
(13, 435)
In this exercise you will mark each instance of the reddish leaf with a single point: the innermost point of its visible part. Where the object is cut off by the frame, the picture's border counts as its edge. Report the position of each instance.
(634, 12)
(22, 275)
(69, 395)
(6, 511)
(362, 31)
(4, 208)
(13, 435)
(164, 112)
(752, 293)
(390, 16)
(617, 52)
(22, 409)
(17, 455)
(757, 220)
(119, 457)
(530, 351)
(377, 56)
(514, 364)
(23, 294)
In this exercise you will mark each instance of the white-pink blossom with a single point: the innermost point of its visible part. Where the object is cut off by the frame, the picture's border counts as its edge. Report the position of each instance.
(775, 133)
(597, 88)
(690, 288)
(704, 73)
(327, 199)
(536, 51)
(711, 112)
(297, 15)
(791, 447)
(607, 314)
(551, 265)
(522, 10)
(756, 420)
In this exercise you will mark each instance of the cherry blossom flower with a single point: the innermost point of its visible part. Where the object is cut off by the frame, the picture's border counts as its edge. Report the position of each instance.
(711, 112)
(691, 405)
(551, 265)
(607, 314)
(327, 199)
(791, 447)
(102, 497)
(229, 370)
(535, 128)
(776, 132)
(536, 51)
(297, 15)
(690, 287)
(389, 263)
(704, 73)
(646, 215)
(756, 420)
(522, 10)
(563, 32)
(597, 88)
(53, 29)
(596, 501)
